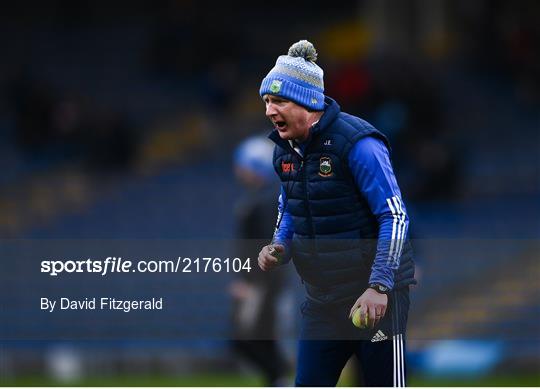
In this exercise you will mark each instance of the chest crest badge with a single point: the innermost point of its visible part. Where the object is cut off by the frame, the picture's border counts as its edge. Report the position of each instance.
(325, 167)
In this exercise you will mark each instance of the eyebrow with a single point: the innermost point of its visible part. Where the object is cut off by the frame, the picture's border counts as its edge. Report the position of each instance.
(274, 98)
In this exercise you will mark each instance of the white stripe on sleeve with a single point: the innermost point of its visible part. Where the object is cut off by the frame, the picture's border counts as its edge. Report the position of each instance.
(394, 226)
(402, 225)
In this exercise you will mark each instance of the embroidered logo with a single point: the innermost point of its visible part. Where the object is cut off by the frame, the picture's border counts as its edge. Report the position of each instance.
(275, 87)
(325, 167)
(287, 167)
(328, 142)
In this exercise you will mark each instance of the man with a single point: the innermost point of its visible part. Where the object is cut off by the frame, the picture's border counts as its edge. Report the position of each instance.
(342, 220)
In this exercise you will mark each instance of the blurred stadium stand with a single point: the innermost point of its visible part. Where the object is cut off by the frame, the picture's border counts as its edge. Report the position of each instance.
(119, 122)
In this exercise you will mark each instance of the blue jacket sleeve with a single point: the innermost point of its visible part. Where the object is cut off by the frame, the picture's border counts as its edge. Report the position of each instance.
(284, 227)
(370, 165)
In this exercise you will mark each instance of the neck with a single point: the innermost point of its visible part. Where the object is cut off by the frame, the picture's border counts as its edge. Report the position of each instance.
(312, 119)
(315, 117)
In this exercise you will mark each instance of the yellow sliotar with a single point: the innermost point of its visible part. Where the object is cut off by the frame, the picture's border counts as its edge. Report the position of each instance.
(357, 319)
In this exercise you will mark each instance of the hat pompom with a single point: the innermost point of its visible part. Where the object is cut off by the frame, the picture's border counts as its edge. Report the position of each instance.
(303, 49)
(296, 77)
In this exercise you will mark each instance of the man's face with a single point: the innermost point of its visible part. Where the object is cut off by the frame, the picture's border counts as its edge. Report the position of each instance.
(290, 119)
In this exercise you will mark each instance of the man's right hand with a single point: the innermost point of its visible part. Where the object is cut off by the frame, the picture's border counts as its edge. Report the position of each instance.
(268, 256)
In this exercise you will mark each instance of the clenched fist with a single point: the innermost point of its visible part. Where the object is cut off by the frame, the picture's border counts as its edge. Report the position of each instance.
(268, 257)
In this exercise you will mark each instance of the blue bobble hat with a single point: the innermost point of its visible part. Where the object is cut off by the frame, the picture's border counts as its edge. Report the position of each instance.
(296, 77)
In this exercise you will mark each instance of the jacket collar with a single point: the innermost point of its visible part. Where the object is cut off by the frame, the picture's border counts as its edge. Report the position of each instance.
(331, 111)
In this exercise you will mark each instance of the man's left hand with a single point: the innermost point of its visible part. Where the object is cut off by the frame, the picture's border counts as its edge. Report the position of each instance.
(373, 304)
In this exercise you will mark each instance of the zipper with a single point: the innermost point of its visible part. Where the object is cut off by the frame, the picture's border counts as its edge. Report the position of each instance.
(312, 250)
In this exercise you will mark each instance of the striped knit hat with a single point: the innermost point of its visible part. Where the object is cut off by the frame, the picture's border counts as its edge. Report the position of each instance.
(296, 77)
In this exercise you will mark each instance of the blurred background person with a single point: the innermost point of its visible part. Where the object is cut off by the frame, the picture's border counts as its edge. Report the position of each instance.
(255, 294)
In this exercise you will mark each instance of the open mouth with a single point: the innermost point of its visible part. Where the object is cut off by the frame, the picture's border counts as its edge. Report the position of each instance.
(280, 125)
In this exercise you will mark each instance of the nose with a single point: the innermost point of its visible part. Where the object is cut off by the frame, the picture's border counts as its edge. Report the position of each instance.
(270, 110)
